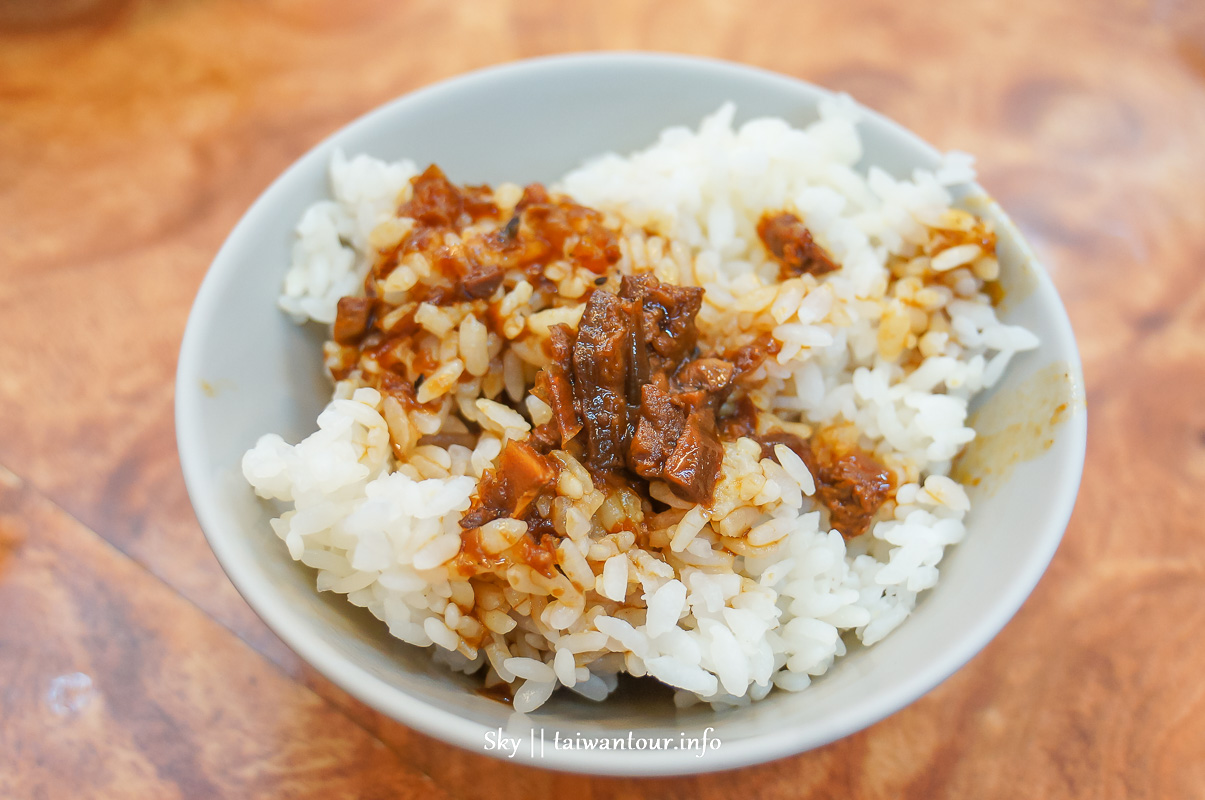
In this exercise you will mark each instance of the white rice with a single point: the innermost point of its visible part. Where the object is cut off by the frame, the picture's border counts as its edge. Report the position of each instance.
(721, 626)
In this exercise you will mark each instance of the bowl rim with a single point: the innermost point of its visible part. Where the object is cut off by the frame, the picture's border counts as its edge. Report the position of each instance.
(446, 725)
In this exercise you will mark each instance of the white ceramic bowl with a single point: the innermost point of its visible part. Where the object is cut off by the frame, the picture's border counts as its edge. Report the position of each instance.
(246, 370)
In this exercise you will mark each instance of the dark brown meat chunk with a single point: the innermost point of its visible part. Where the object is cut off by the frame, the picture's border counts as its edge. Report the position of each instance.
(791, 244)
(352, 319)
(481, 281)
(851, 483)
(853, 486)
(510, 487)
(693, 468)
(657, 431)
(696, 399)
(555, 386)
(637, 351)
(513, 488)
(704, 383)
(621, 378)
(434, 200)
(676, 438)
(602, 369)
(545, 438)
(707, 374)
(669, 318)
(744, 361)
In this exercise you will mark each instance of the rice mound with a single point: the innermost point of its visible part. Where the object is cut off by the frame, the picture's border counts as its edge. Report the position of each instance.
(727, 600)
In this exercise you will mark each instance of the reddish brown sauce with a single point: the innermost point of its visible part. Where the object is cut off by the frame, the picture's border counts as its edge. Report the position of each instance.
(473, 560)
(512, 486)
(994, 291)
(536, 549)
(539, 556)
(791, 244)
(742, 421)
(500, 692)
(979, 233)
(541, 230)
(511, 489)
(461, 268)
(850, 483)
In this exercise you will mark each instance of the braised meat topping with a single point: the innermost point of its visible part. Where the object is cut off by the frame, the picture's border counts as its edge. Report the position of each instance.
(657, 430)
(541, 230)
(668, 315)
(510, 488)
(352, 318)
(554, 385)
(633, 395)
(605, 369)
(791, 244)
(627, 380)
(849, 481)
(453, 245)
(436, 202)
(482, 281)
(693, 467)
(712, 375)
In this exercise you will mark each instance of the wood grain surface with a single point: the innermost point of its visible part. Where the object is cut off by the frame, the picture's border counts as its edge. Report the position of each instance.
(133, 134)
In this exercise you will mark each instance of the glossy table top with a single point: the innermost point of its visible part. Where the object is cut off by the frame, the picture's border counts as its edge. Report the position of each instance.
(134, 134)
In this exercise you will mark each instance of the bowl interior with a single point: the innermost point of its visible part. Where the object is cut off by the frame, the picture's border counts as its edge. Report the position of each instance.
(245, 370)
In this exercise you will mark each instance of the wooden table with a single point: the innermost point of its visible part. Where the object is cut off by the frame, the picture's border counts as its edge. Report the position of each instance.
(133, 135)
